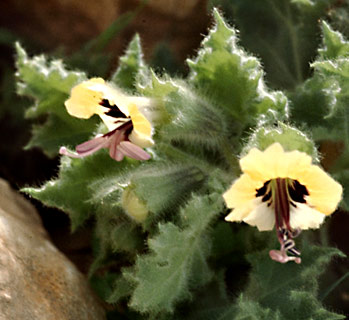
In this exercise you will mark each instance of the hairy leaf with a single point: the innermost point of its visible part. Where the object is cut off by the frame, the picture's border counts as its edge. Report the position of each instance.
(70, 192)
(131, 67)
(171, 184)
(291, 289)
(230, 77)
(322, 102)
(49, 84)
(177, 262)
(283, 33)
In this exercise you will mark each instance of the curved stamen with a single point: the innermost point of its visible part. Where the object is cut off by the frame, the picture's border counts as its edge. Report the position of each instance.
(285, 193)
(282, 206)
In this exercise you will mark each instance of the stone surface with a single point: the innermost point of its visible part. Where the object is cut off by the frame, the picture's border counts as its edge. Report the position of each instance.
(36, 280)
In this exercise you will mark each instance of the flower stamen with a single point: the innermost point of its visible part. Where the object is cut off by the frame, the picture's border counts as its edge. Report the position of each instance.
(129, 129)
(282, 189)
(280, 194)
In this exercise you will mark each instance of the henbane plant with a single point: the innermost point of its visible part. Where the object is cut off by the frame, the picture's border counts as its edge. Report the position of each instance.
(159, 195)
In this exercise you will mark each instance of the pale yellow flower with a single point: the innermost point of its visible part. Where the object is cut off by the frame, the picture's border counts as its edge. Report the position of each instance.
(125, 117)
(282, 188)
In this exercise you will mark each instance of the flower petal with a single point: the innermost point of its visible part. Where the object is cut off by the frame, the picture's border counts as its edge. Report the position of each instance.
(239, 213)
(324, 192)
(142, 130)
(261, 216)
(113, 123)
(148, 107)
(304, 217)
(260, 165)
(84, 99)
(131, 150)
(274, 163)
(242, 191)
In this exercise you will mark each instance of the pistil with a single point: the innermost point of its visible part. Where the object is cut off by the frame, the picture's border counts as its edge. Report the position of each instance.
(281, 205)
(282, 189)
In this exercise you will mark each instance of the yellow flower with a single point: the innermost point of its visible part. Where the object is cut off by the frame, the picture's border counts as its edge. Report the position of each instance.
(283, 189)
(126, 117)
(133, 206)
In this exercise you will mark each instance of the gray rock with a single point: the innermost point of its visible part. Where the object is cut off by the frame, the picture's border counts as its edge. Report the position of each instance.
(36, 280)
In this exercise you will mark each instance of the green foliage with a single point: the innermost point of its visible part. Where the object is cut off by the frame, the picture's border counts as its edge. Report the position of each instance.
(122, 289)
(198, 121)
(131, 66)
(170, 184)
(334, 45)
(177, 261)
(247, 309)
(70, 192)
(49, 84)
(293, 286)
(233, 79)
(289, 137)
(161, 244)
(284, 33)
(322, 101)
(118, 233)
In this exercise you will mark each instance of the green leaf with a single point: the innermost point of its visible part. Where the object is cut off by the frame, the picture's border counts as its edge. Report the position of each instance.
(289, 288)
(321, 103)
(334, 45)
(289, 137)
(39, 78)
(233, 79)
(49, 84)
(197, 121)
(323, 98)
(122, 288)
(71, 191)
(314, 101)
(102, 285)
(159, 87)
(308, 307)
(222, 69)
(209, 302)
(177, 262)
(131, 66)
(57, 132)
(171, 184)
(118, 233)
(247, 309)
(283, 33)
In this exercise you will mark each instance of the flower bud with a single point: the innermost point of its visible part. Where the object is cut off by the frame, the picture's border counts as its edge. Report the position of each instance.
(133, 206)
(289, 138)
